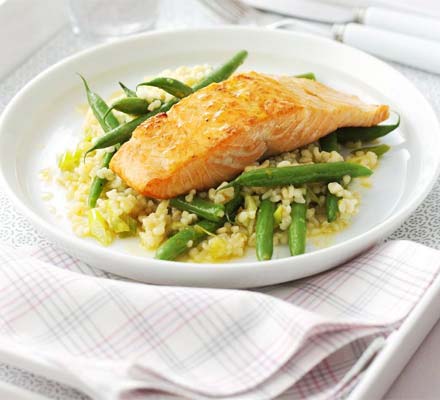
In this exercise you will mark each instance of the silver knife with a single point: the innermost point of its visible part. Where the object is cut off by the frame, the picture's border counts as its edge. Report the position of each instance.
(410, 50)
(378, 17)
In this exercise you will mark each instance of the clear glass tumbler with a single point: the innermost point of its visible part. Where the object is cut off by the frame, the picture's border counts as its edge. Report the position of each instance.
(107, 19)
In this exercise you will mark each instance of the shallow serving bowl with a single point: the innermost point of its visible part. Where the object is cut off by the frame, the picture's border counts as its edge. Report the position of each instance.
(42, 121)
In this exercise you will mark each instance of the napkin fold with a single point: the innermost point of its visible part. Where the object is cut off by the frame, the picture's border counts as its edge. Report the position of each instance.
(115, 339)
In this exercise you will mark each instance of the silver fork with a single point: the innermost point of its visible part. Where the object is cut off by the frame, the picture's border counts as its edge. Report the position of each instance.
(232, 11)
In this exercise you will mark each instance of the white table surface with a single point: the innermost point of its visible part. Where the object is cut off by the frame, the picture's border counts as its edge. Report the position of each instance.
(419, 380)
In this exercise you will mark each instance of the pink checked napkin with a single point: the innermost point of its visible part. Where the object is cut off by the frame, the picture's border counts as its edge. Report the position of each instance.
(114, 339)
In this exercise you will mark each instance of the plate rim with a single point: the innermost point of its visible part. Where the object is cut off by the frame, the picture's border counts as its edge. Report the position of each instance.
(374, 234)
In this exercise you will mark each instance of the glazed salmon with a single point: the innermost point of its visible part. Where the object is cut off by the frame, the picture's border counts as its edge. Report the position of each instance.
(212, 135)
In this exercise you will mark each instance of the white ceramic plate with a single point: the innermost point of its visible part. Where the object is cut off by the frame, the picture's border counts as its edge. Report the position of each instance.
(42, 121)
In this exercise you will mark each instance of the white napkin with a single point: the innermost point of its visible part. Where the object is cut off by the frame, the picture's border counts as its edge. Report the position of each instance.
(120, 340)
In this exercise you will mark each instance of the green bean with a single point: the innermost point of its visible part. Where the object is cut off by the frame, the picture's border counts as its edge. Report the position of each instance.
(98, 183)
(130, 105)
(128, 92)
(171, 86)
(298, 229)
(331, 207)
(203, 208)
(232, 206)
(379, 150)
(264, 230)
(224, 71)
(366, 134)
(329, 143)
(123, 133)
(297, 175)
(178, 244)
(307, 75)
(100, 110)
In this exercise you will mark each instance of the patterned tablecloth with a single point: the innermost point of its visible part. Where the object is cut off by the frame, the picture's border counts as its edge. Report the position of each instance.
(423, 226)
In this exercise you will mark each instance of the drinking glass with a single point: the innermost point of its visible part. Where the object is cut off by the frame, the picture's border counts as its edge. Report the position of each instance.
(107, 19)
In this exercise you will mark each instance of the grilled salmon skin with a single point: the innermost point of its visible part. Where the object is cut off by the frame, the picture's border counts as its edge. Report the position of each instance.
(212, 135)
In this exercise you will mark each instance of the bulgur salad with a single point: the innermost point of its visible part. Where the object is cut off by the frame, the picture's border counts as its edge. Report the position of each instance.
(222, 222)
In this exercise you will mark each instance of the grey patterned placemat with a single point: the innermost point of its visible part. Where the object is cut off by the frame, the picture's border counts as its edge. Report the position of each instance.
(423, 226)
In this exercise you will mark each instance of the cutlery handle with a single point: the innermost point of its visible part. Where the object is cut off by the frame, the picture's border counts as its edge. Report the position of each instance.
(405, 49)
(410, 24)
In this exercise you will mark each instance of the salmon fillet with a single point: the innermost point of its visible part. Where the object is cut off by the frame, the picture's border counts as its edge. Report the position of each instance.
(212, 135)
